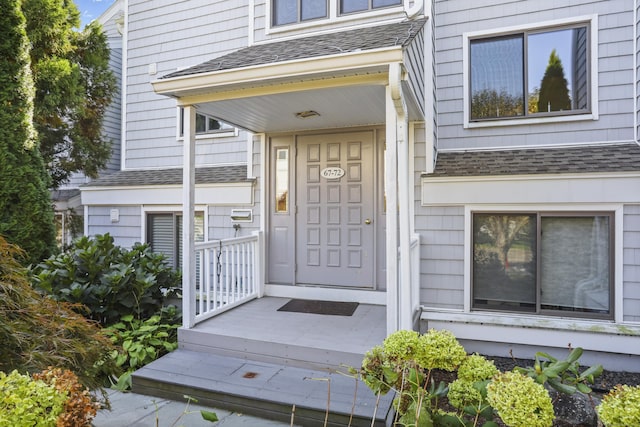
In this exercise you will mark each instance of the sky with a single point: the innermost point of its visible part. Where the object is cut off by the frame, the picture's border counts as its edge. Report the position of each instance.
(91, 9)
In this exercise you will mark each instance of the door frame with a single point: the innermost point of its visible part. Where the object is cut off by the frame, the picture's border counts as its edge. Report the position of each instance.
(285, 274)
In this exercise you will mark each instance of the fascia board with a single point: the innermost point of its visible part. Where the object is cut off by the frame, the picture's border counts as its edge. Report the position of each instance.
(299, 68)
(531, 189)
(231, 194)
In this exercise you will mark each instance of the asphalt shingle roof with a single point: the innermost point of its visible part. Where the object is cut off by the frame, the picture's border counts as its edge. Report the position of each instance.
(64, 195)
(584, 159)
(205, 175)
(397, 34)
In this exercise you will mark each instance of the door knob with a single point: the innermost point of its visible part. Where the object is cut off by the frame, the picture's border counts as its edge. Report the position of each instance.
(367, 221)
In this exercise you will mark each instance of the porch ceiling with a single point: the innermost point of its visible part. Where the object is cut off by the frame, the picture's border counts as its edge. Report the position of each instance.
(341, 76)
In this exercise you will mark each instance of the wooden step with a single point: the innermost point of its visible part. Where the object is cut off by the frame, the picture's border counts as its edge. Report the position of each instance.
(263, 389)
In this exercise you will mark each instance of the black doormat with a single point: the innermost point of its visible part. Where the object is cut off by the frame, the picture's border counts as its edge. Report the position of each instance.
(320, 307)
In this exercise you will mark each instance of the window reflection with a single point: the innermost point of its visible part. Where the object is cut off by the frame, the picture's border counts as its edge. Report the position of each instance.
(530, 73)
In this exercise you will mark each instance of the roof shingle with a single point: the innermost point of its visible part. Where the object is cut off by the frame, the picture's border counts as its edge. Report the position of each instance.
(397, 34)
(204, 175)
(584, 159)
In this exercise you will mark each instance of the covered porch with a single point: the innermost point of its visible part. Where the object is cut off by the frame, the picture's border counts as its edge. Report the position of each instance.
(368, 77)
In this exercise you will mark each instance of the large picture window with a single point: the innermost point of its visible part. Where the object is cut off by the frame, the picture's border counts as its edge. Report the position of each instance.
(532, 73)
(545, 263)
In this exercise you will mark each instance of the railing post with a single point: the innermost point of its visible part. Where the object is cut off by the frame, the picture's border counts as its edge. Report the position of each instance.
(258, 269)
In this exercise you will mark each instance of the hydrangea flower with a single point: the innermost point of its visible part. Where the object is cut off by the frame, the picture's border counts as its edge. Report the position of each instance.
(401, 345)
(621, 407)
(439, 350)
(462, 393)
(520, 401)
(476, 368)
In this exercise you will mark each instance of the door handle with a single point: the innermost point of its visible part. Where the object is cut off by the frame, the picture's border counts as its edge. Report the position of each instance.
(367, 221)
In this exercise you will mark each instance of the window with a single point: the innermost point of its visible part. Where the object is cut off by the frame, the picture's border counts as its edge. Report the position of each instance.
(350, 6)
(545, 263)
(282, 180)
(295, 11)
(532, 73)
(206, 125)
(164, 234)
(291, 11)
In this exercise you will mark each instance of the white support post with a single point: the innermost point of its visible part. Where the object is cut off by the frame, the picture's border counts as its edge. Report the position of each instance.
(403, 301)
(188, 212)
(391, 190)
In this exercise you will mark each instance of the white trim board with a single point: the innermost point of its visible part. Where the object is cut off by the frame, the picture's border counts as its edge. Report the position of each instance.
(218, 194)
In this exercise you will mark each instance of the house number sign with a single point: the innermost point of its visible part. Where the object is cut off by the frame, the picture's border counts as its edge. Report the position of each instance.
(332, 173)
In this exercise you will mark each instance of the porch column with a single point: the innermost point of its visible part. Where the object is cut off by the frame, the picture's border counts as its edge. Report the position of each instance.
(188, 202)
(398, 134)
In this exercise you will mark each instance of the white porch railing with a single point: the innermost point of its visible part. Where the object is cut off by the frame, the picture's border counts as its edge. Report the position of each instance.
(227, 274)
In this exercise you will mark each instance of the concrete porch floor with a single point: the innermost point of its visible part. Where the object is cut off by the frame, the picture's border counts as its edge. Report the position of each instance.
(260, 361)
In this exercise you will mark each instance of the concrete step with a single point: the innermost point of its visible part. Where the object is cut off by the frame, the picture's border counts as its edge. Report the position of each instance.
(310, 355)
(266, 390)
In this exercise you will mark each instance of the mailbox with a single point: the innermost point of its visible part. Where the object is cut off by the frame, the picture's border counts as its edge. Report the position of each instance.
(241, 215)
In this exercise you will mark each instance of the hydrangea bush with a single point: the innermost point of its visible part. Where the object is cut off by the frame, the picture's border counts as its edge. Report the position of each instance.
(406, 363)
(621, 407)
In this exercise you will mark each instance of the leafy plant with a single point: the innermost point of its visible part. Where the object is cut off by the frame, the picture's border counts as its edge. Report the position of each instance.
(28, 402)
(79, 407)
(141, 341)
(108, 280)
(562, 375)
(620, 407)
(37, 332)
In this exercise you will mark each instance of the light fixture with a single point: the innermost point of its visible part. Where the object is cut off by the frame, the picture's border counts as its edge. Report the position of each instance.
(307, 114)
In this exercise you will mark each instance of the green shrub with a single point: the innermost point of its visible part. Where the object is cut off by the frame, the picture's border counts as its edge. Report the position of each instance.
(108, 280)
(620, 407)
(141, 341)
(27, 402)
(37, 332)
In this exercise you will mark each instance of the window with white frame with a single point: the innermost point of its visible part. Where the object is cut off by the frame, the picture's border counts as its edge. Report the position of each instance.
(206, 125)
(164, 234)
(537, 72)
(543, 263)
(285, 12)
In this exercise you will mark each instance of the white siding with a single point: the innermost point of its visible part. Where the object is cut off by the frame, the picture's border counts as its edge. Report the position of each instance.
(171, 36)
(615, 71)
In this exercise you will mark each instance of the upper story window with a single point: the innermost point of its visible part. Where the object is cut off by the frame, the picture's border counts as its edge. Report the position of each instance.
(296, 11)
(530, 73)
(206, 125)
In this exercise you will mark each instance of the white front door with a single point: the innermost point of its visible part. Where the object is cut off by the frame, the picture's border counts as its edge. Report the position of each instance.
(335, 197)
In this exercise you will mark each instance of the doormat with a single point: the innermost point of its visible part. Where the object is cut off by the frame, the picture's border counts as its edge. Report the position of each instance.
(320, 307)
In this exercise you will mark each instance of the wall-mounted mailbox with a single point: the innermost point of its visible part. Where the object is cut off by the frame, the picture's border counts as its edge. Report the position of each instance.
(241, 215)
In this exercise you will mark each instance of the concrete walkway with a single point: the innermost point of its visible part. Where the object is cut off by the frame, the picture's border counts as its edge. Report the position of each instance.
(137, 410)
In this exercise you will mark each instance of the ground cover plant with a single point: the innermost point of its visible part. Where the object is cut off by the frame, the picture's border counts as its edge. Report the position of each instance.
(475, 392)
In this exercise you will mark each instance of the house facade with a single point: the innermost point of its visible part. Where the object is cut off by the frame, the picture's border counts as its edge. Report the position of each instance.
(470, 167)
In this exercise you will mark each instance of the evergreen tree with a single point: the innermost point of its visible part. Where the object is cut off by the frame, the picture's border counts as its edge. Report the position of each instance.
(74, 86)
(26, 214)
(554, 88)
